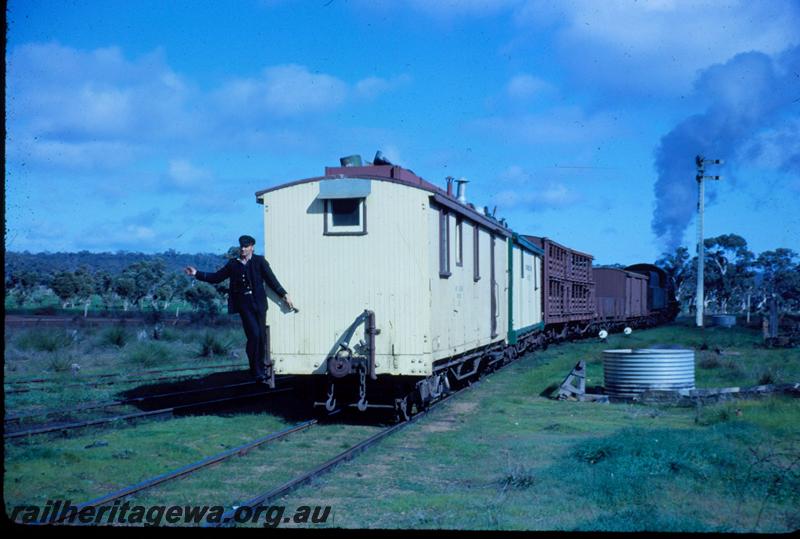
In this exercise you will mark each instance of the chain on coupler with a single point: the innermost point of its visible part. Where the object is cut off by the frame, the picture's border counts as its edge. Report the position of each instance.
(362, 388)
(330, 404)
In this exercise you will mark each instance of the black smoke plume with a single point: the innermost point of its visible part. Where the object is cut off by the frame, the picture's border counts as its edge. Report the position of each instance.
(753, 106)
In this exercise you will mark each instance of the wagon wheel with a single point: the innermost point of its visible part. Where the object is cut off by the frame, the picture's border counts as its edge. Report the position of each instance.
(511, 354)
(402, 408)
(437, 386)
(422, 404)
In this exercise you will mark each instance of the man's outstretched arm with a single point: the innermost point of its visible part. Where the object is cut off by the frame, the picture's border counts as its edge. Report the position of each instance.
(214, 278)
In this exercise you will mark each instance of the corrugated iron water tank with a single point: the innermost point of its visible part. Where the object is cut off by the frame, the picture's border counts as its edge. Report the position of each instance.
(629, 372)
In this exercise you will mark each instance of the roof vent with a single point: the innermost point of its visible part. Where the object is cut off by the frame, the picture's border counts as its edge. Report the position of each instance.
(350, 161)
(462, 190)
(380, 159)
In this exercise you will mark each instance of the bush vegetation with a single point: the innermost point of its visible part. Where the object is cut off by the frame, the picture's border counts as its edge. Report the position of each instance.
(115, 336)
(42, 340)
(213, 346)
(148, 354)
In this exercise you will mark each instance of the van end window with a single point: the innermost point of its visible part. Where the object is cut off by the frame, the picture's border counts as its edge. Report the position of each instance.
(345, 217)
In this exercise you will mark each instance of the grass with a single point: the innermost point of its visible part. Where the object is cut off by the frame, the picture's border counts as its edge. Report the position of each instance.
(97, 351)
(212, 346)
(69, 469)
(115, 336)
(518, 477)
(29, 353)
(148, 354)
(499, 456)
(605, 469)
(502, 457)
(60, 364)
(40, 340)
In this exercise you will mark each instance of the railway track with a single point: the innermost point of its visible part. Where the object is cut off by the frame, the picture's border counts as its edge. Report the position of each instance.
(97, 383)
(137, 415)
(193, 467)
(229, 518)
(122, 402)
(118, 374)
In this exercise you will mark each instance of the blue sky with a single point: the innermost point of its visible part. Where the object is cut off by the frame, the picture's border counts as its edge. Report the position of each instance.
(149, 125)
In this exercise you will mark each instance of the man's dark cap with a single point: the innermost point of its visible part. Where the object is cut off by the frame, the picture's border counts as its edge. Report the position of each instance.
(246, 241)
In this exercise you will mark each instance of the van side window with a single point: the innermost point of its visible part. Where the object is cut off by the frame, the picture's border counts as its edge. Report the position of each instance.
(444, 243)
(476, 259)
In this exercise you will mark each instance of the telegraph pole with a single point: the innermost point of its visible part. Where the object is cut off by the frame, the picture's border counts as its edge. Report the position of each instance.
(701, 194)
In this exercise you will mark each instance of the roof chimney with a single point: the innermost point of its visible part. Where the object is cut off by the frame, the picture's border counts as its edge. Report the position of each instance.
(380, 159)
(462, 190)
(350, 161)
(449, 185)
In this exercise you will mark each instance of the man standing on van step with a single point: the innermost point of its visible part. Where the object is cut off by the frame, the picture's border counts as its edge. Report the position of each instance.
(248, 297)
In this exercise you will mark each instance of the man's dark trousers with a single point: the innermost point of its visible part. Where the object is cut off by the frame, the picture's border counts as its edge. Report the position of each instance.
(252, 307)
(254, 322)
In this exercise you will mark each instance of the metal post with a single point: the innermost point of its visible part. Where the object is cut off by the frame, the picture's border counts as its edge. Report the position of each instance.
(748, 309)
(700, 247)
(701, 163)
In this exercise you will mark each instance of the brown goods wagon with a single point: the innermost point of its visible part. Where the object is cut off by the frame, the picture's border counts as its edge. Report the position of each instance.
(568, 286)
(620, 294)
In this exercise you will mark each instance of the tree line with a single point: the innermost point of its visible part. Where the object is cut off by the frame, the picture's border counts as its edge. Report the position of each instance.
(146, 283)
(47, 263)
(735, 280)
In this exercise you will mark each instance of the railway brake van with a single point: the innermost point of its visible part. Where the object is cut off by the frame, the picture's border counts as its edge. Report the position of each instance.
(402, 289)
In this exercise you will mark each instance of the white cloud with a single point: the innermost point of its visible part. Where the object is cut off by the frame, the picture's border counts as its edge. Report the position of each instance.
(776, 147)
(647, 47)
(520, 189)
(549, 196)
(54, 153)
(524, 86)
(91, 109)
(372, 87)
(659, 46)
(285, 90)
(215, 202)
(97, 109)
(293, 90)
(109, 235)
(68, 93)
(515, 174)
(184, 174)
(475, 8)
(443, 9)
(145, 218)
(290, 89)
(563, 125)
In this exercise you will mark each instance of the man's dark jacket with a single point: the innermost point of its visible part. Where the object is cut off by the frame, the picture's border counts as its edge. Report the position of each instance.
(244, 277)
